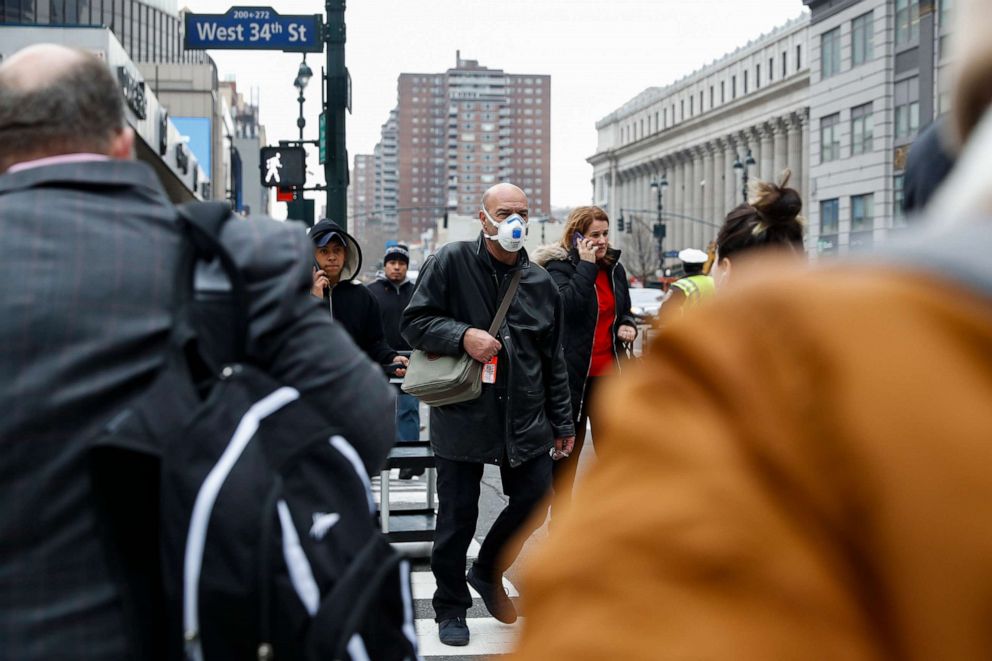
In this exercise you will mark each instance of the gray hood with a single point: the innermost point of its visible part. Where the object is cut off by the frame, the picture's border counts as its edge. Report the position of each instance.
(353, 262)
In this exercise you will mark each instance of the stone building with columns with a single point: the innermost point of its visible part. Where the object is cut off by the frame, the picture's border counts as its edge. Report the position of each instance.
(690, 134)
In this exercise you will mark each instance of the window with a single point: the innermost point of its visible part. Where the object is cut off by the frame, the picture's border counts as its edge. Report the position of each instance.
(829, 217)
(692, 106)
(723, 95)
(681, 109)
(898, 217)
(862, 129)
(700, 101)
(711, 98)
(907, 21)
(664, 117)
(771, 69)
(830, 53)
(907, 100)
(745, 82)
(861, 39)
(945, 10)
(862, 220)
(657, 126)
(784, 72)
(799, 57)
(757, 76)
(733, 87)
(829, 138)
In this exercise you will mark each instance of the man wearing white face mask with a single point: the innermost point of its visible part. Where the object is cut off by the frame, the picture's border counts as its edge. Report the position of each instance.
(522, 419)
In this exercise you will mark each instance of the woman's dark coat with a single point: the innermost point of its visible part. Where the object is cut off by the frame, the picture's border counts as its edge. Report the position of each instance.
(576, 282)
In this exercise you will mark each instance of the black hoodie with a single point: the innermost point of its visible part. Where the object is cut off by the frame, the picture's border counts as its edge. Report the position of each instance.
(351, 304)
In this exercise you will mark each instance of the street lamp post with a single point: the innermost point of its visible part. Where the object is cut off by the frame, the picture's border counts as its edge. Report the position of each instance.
(744, 168)
(658, 186)
(303, 76)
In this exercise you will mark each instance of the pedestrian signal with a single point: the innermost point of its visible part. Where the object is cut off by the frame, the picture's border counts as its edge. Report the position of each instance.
(285, 167)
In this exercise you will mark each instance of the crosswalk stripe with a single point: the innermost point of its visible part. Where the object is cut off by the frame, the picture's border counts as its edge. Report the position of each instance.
(424, 585)
(487, 637)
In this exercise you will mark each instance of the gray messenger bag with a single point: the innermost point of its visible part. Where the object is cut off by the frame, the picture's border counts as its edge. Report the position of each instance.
(439, 380)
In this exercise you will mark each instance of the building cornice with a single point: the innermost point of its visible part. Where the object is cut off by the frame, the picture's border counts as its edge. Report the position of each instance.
(720, 114)
(652, 95)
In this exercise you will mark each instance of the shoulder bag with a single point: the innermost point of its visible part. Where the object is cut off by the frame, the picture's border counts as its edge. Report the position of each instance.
(439, 380)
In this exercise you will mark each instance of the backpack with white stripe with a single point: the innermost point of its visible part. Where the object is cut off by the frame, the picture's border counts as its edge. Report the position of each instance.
(240, 521)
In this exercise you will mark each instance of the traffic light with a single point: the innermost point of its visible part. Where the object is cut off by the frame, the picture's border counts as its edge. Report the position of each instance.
(620, 223)
(659, 230)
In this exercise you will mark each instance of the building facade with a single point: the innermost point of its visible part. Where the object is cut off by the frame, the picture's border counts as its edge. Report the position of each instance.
(456, 134)
(695, 139)
(878, 75)
(246, 192)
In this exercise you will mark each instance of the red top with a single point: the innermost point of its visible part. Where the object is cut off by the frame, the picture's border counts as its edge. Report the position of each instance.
(603, 359)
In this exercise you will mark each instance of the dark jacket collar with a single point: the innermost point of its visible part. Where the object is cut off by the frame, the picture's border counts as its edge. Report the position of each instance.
(90, 174)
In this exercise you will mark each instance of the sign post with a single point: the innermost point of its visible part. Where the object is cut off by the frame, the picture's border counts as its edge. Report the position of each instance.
(322, 138)
(254, 28)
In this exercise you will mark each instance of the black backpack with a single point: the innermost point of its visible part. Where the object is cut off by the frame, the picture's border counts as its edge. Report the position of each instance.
(240, 522)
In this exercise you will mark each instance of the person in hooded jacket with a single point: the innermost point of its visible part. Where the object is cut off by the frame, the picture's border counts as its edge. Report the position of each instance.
(337, 259)
(392, 291)
(598, 321)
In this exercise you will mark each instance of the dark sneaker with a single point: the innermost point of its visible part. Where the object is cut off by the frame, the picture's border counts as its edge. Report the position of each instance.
(497, 601)
(453, 631)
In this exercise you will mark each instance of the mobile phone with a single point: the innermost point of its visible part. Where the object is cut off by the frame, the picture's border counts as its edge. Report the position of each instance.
(576, 238)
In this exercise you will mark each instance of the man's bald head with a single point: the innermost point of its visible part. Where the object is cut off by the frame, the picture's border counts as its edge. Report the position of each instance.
(500, 191)
(56, 100)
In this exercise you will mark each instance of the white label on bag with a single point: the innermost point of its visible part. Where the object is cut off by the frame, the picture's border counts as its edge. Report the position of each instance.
(489, 371)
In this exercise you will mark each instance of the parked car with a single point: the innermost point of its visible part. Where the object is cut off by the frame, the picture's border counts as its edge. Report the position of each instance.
(645, 303)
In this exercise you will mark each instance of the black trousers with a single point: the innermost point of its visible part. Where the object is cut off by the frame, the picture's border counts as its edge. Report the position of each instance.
(565, 469)
(458, 485)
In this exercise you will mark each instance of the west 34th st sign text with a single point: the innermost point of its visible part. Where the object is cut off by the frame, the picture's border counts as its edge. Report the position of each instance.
(254, 28)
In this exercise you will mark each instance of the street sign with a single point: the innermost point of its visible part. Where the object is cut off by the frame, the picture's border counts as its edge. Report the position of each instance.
(671, 253)
(283, 166)
(254, 28)
(322, 138)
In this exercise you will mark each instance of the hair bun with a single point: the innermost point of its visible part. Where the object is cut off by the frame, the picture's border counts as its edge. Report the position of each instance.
(775, 202)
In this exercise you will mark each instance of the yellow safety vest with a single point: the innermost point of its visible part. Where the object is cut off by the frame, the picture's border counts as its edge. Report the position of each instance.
(695, 288)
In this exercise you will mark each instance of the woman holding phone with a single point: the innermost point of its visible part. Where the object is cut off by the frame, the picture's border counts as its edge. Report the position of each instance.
(598, 321)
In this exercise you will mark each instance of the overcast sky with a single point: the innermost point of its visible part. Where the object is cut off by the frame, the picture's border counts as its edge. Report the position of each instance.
(599, 54)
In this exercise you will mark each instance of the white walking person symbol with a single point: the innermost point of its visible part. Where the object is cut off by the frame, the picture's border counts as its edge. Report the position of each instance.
(272, 167)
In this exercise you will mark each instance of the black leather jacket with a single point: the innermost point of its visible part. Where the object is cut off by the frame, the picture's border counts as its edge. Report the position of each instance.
(518, 417)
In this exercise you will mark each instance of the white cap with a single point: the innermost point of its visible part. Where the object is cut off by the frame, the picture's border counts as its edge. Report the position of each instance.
(693, 256)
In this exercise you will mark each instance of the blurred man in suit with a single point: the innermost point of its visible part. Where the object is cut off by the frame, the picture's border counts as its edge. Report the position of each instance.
(88, 250)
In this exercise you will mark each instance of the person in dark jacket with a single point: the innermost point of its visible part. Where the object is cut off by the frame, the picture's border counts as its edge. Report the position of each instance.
(337, 259)
(524, 410)
(82, 337)
(596, 299)
(392, 291)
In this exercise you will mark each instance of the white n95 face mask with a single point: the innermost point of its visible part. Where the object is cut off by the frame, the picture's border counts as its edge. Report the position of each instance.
(510, 233)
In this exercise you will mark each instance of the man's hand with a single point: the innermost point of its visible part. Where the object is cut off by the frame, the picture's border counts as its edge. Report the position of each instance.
(587, 250)
(402, 360)
(626, 333)
(563, 447)
(320, 283)
(480, 345)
